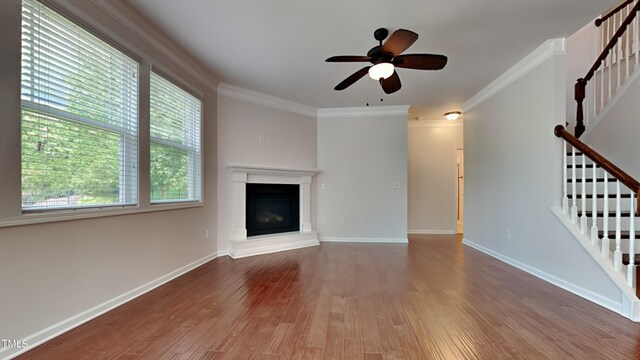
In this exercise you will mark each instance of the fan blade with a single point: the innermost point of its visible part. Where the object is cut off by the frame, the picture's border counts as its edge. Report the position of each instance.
(348, 58)
(420, 61)
(353, 78)
(399, 41)
(391, 84)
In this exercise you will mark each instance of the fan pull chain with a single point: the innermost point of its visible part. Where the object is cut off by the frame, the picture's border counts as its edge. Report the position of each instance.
(367, 93)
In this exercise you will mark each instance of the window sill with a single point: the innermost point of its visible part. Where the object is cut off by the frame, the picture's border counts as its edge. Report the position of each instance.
(78, 214)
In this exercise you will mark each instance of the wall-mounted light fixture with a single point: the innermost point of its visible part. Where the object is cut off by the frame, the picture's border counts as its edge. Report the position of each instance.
(452, 115)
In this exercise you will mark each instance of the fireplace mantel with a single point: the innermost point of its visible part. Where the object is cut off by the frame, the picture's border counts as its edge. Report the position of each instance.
(241, 175)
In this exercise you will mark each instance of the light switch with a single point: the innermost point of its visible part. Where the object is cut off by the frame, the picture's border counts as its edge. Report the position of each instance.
(261, 139)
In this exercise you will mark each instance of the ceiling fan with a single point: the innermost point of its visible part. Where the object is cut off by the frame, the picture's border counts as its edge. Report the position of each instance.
(386, 57)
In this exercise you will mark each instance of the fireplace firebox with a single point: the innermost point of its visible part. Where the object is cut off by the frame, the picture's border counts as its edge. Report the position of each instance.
(272, 209)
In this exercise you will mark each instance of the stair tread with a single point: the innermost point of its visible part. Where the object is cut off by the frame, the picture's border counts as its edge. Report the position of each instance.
(590, 180)
(588, 166)
(624, 214)
(601, 196)
(625, 260)
(623, 234)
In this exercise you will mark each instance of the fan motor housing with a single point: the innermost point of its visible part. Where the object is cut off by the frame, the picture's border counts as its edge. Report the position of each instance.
(377, 55)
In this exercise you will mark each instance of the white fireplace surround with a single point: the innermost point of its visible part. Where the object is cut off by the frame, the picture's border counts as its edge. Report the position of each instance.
(243, 246)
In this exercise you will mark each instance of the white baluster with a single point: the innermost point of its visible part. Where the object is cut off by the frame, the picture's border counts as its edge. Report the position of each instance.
(610, 72)
(594, 207)
(574, 206)
(604, 64)
(565, 198)
(631, 268)
(619, 60)
(583, 197)
(595, 96)
(604, 250)
(635, 38)
(617, 254)
(626, 48)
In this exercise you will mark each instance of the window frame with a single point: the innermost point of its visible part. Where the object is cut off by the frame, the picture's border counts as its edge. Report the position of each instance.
(127, 197)
(197, 181)
(12, 215)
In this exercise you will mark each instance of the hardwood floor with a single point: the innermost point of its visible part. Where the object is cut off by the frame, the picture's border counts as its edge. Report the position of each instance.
(432, 299)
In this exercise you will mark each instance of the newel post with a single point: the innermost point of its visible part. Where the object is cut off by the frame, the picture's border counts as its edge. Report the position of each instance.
(580, 94)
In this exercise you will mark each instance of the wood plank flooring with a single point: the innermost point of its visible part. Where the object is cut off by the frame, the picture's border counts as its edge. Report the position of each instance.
(432, 299)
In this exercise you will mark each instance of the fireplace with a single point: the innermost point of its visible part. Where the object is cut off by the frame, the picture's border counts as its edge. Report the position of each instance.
(269, 209)
(272, 209)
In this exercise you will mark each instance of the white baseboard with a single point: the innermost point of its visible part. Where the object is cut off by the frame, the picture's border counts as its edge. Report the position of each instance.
(432, 232)
(598, 299)
(63, 326)
(365, 240)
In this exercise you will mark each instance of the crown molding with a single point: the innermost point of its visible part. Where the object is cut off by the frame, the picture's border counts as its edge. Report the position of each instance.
(434, 124)
(136, 23)
(364, 111)
(255, 97)
(534, 59)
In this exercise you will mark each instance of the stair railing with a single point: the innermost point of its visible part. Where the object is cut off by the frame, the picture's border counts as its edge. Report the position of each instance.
(604, 171)
(604, 18)
(614, 65)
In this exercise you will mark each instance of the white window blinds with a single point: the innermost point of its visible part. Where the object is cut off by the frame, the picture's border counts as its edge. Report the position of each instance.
(79, 116)
(175, 142)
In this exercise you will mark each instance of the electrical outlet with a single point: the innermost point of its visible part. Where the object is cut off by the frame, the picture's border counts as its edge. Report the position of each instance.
(362, 222)
(261, 139)
(396, 185)
(507, 234)
(323, 186)
(341, 221)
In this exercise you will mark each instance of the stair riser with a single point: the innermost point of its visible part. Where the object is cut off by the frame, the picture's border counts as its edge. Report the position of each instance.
(625, 204)
(624, 245)
(624, 223)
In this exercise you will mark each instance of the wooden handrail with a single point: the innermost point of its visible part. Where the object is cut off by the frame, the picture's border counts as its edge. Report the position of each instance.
(613, 41)
(581, 84)
(609, 167)
(613, 12)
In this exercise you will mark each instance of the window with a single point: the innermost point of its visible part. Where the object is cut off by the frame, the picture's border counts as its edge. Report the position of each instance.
(79, 100)
(175, 142)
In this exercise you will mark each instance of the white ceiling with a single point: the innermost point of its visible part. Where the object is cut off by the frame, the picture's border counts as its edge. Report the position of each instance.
(278, 47)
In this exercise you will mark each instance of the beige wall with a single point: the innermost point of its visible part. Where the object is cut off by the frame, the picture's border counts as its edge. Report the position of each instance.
(432, 178)
(512, 179)
(240, 126)
(360, 159)
(50, 272)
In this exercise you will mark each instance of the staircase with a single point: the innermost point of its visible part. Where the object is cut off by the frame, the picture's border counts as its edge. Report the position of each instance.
(603, 208)
(600, 200)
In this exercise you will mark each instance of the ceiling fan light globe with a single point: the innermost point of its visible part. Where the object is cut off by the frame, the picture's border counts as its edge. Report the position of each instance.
(381, 71)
